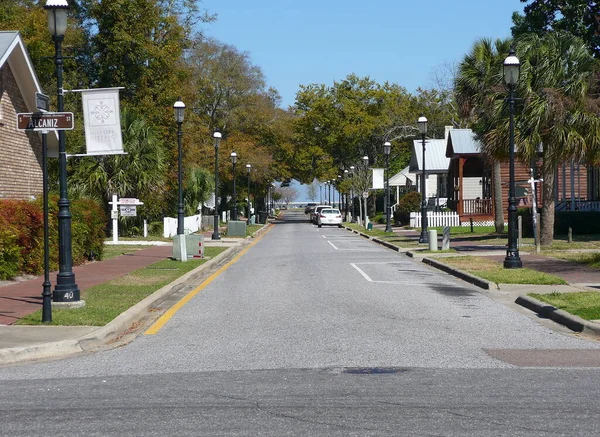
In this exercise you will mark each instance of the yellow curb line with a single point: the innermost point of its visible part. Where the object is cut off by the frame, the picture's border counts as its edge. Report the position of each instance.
(162, 321)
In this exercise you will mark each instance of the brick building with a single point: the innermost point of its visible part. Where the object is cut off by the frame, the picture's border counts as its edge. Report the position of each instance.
(20, 151)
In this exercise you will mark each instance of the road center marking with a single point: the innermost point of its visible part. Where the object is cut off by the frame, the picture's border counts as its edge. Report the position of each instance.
(162, 320)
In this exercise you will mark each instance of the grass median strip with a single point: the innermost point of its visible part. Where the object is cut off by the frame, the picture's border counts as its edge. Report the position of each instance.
(106, 301)
(494, 271)
(585, 304)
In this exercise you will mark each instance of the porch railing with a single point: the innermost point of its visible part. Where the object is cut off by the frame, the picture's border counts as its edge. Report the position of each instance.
(477, 207)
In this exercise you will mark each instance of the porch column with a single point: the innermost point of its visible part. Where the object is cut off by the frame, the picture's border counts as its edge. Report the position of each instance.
(461, 164)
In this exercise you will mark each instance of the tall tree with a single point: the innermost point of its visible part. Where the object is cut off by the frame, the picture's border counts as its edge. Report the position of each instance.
(478, 86)
(579, 17)
(559, 112)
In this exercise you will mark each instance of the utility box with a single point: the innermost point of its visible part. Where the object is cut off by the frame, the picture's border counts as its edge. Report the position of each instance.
(194, 244)
(236, 228)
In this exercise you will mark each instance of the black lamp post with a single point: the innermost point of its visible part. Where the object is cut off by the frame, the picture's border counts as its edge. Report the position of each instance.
(233, 162)
(179, 109)
(329, 191)
(346, 173)
(352, 193)
(511, 77)
(215, 235)
(424, 238)
(337, 186)
(387, 147)
(366, 163)
(66, 289)
(249, 169)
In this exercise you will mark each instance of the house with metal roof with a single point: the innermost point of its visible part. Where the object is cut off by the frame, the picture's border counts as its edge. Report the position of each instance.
(470, 181)
(20, 151)
(436, 169)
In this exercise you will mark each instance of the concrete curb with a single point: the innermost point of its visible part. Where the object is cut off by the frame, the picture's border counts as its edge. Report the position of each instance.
(573, 322)
(103, 334)
(475, 280)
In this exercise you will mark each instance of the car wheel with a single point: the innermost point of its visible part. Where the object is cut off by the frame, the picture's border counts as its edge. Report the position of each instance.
(319, 225)
(340, 226)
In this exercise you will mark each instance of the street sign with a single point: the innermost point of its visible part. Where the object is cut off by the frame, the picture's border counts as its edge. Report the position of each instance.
(45, 121)
(128, 210)
(365, 194)
(42, 102)
(129, 201)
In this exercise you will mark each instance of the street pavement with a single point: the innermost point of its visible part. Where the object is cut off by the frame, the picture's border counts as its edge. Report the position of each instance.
(321, 332)
(23, 343)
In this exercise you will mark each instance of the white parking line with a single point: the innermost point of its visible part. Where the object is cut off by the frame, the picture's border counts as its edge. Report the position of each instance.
(361, 272)
(355, 249)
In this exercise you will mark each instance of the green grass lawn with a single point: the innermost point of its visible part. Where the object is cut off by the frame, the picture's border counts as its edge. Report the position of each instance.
(585, 304)
(493, 271)
(106, 301)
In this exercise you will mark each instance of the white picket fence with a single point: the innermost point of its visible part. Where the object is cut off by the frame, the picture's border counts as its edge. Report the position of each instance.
(191, 224)
(435, 219)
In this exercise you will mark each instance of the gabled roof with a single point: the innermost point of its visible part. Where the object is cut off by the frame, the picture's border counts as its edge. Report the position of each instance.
(462, 142)
(14, 54)
(402, 178)
(435, 157)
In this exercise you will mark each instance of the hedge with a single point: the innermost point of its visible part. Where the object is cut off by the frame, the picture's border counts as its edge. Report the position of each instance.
(22, 234)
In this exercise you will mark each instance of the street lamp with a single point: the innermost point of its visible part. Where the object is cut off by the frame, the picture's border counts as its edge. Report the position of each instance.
(387, 147)
(66, 289)
(215, 235)
(366, 163)
(179, 109)
(511, 77)
(346, 172)
(424, 238)
(249, 168)
(352, 193)
(329, 191)
(233, 162)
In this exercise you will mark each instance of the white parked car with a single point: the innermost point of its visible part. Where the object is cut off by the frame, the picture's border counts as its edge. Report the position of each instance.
(330, 216)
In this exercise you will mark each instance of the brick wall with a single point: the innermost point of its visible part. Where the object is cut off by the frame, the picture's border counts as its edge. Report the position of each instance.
(20, 152)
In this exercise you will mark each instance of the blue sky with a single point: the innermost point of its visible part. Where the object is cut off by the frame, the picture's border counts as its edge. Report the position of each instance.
(298, 42)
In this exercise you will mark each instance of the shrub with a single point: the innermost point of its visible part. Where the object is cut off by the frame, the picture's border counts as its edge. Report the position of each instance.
(22, 234)
(410, 202)
(9, 251)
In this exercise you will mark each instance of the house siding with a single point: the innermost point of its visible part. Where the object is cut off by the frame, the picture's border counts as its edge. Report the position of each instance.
(20, 152)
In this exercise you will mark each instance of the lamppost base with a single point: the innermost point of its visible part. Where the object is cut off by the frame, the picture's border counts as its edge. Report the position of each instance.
(513, 262)
(388, 229)
(215, 236)
(424, 238)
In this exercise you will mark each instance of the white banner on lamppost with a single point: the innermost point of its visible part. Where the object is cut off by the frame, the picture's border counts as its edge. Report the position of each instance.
(102, 121)
(378, 178)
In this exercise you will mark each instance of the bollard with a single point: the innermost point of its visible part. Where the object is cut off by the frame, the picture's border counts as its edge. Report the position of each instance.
(471, 221)
(446, 238)
(570, 235)
(520, 230)
(433, 240)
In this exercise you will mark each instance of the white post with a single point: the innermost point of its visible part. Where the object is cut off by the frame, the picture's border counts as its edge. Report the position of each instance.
(145, 228)
(115, 219)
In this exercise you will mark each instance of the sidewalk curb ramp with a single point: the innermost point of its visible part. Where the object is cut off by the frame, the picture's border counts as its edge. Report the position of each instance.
(571, 321)
(104, 333)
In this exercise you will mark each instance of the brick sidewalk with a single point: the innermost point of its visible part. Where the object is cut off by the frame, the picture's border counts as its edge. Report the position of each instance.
(22, 298)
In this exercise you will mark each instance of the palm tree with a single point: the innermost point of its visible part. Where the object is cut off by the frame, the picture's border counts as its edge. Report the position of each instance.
(140, 173)
(199, 187)
(557, 72)
(477, 87)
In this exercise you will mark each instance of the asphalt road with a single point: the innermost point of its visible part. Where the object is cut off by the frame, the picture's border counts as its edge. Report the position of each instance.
(321, 332)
